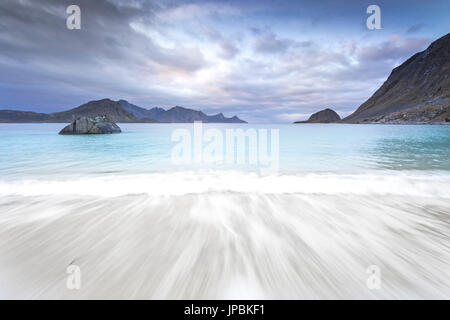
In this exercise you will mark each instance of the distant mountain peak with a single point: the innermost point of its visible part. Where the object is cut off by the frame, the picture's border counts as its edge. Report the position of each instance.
(177, 114)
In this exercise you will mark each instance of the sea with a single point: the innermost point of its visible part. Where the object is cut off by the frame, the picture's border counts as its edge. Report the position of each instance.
(225, 211)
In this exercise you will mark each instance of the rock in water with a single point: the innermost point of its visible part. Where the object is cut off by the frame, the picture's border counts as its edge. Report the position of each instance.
(96, 125)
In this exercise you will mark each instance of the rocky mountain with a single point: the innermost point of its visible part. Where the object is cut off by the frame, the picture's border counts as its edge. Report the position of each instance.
(139, 112)
(177, 114)
(105, 107)
(112, 109)
(416, 91)
(117, 111)
(323, 116)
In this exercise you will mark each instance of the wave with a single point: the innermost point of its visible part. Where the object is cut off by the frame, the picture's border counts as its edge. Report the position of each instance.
(420, 183)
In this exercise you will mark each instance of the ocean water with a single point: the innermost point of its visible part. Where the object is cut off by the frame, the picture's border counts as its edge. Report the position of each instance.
(341, 199)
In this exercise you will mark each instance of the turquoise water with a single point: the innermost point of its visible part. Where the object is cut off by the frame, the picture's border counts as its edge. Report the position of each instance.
(37, 150)
(139, 225)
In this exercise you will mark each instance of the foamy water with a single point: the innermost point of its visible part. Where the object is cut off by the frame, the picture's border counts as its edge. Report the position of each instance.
(436, 184)
(137, 230)
(227, 236)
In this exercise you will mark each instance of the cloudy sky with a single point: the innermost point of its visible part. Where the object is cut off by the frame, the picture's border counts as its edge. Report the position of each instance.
(265, 61)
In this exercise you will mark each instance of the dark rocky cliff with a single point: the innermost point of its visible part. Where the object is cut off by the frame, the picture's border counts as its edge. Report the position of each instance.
(416, 91)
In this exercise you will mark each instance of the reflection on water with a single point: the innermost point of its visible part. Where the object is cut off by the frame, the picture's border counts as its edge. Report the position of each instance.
(413, 152)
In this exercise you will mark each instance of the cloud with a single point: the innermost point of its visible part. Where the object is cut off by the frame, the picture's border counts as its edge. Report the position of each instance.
(415, 28)
(269, 43)
(188, 11)
(207, 56)
(106, 55)
(394, 48)
(228, 47)
(292, 117)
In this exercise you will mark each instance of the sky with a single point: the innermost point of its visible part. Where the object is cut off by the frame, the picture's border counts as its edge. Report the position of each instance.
(264, 61)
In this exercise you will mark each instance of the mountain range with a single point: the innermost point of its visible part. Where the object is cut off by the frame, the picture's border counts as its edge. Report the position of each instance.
(176, 114)
(117, 111)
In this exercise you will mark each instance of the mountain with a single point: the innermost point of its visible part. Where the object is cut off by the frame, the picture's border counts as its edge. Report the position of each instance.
(106, 107)
(416, 91)
(23, 116)
(117, 111)
(112, 109)
(139, 112)
(177, 114)
(323, 116)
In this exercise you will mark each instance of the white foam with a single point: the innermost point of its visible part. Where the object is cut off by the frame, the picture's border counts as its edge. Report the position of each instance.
(180, 183)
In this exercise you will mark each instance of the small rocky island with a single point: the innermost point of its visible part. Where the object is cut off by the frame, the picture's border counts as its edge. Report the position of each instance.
(95, 125)
(323, 116)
